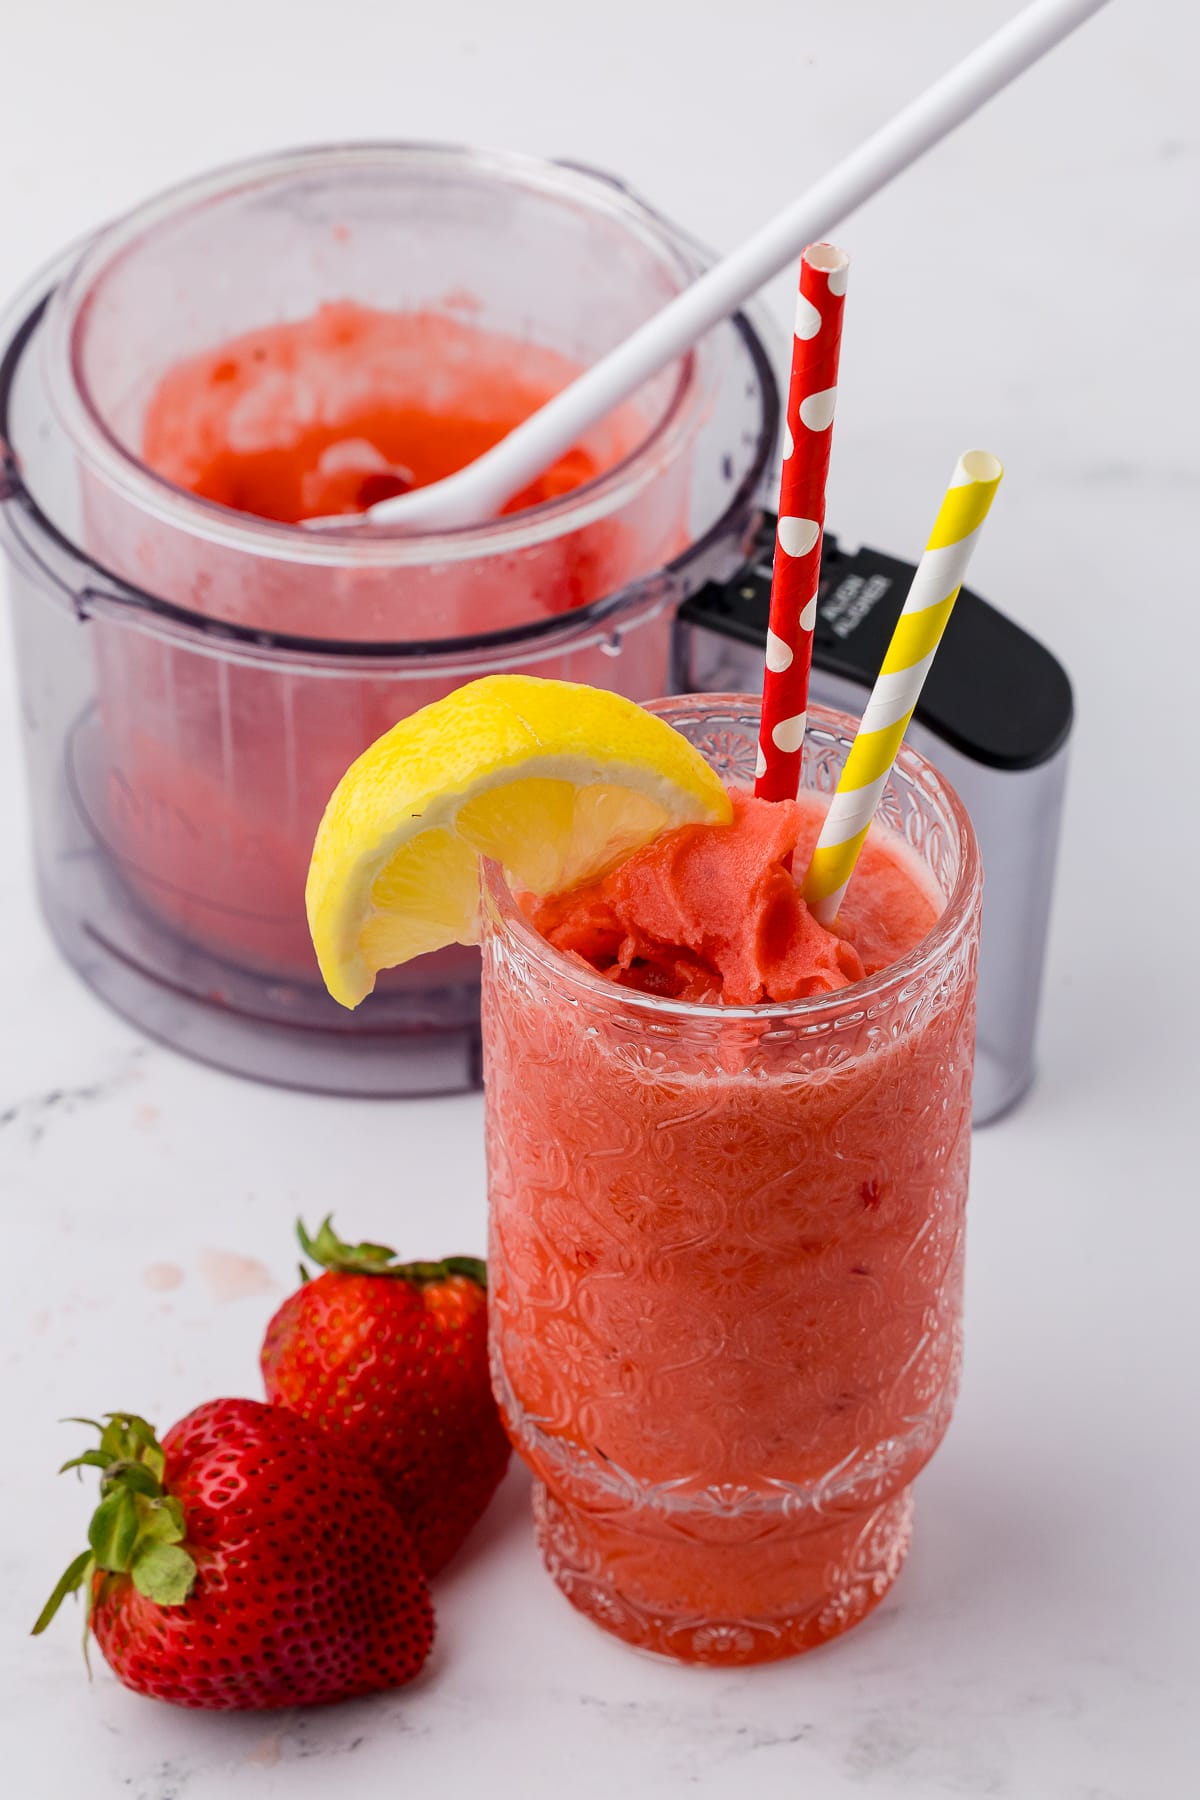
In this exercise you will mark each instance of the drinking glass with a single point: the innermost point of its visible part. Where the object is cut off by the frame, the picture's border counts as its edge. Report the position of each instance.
(726, 1253)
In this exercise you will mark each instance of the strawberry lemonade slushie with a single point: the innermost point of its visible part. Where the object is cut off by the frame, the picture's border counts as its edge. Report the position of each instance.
(728, 1163)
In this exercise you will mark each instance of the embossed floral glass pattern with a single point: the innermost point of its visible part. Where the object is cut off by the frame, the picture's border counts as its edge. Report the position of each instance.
(726, 1255)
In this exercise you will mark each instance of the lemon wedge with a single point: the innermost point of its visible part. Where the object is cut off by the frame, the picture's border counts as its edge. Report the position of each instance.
(554, 780)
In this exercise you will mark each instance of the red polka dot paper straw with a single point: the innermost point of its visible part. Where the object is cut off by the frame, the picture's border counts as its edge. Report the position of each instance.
(808, 432)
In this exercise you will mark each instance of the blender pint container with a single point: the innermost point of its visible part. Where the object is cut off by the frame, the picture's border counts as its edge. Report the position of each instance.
(194, 680)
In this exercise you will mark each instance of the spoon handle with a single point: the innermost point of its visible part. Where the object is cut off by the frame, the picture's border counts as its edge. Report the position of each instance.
(478, 491)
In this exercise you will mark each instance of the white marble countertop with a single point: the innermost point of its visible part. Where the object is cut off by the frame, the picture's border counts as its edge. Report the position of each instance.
(1032, 287)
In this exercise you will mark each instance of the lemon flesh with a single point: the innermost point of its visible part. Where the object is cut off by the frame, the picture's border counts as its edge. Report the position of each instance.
(554, 780)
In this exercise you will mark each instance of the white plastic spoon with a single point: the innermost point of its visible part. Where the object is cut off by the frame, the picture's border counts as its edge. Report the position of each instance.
(478, 491)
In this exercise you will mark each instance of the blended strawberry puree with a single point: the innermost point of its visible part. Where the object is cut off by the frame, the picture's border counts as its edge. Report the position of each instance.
(713, 913)
(215, 809)
(331, 413)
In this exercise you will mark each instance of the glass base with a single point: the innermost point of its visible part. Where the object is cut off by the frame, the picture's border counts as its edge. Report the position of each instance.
(669, 1590)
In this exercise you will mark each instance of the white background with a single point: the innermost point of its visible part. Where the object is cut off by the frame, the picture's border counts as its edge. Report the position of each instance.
(1032, 287)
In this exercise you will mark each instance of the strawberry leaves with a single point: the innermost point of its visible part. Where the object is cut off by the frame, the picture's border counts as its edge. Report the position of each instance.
(113, 1531)
(137, 1529)
(163, 1573)
(329, 1252)
(69, 1582)
(162, 1523)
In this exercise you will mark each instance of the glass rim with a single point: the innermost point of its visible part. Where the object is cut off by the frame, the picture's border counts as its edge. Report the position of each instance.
(818, 1011)
(123, 472)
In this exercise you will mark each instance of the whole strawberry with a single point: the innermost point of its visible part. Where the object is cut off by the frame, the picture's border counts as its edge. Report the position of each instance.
(392, 1358)
(246, 1562)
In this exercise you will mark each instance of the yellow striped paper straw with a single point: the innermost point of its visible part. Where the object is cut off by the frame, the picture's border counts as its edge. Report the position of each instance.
(897, 689)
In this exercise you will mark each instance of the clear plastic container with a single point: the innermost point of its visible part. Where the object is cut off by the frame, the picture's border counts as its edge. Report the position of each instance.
(194, 680)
